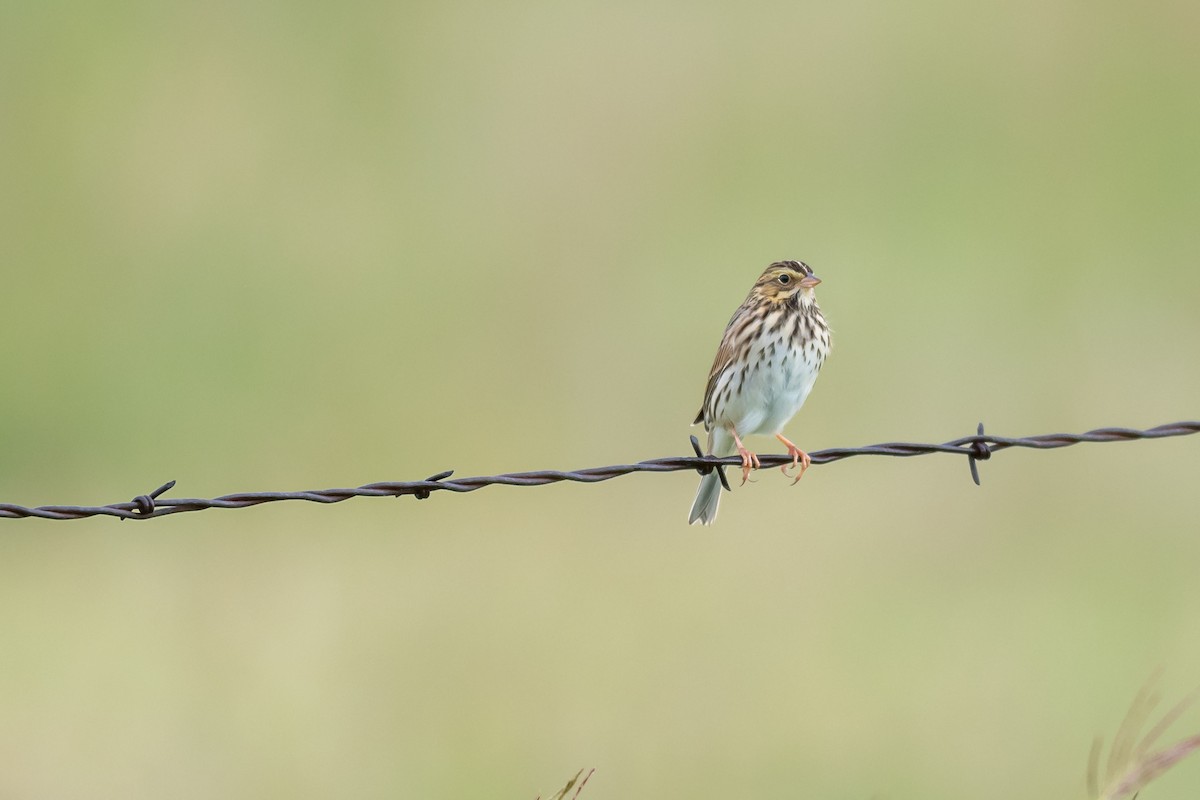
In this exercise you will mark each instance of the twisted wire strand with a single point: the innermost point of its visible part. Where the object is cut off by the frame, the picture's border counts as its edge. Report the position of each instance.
(978, 447)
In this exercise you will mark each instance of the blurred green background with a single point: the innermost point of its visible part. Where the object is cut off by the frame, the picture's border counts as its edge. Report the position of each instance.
(283, 246)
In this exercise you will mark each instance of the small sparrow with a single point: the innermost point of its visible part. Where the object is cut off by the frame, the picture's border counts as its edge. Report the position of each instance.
(768, 360)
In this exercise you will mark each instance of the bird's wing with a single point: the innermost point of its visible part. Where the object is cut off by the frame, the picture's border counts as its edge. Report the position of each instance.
(723, 358)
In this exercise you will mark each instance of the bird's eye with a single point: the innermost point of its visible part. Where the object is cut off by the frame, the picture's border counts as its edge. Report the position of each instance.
(784, 280)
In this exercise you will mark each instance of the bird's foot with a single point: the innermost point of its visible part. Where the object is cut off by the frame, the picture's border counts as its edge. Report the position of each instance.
(749, 462)
(799, 458)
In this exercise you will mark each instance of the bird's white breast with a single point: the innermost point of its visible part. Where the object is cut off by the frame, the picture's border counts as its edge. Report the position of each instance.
(775, 391)
(775, 385)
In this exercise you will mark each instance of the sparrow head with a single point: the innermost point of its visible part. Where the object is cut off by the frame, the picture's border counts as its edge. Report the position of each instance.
(785, 280)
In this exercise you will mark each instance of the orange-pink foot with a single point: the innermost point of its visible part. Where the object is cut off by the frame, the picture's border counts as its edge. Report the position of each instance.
(799, 458)
(749, 460)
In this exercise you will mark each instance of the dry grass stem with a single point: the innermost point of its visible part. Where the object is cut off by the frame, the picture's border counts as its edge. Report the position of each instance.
(571, 784)
(1130, 765)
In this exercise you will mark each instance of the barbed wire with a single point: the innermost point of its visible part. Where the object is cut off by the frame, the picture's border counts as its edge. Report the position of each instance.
(978, 447)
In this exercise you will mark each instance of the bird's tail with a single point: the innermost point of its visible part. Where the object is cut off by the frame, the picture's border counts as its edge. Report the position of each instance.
(708, 496)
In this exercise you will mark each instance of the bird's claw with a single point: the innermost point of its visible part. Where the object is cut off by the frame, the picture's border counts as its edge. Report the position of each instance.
(799, 459)
(749, 461)
(805, 463)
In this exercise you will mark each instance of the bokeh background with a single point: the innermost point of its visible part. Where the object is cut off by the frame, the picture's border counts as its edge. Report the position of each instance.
(283, 246)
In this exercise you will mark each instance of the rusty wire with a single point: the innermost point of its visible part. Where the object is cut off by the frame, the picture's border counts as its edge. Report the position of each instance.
(978, 447)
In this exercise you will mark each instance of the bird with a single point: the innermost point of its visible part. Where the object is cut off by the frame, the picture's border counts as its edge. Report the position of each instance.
(772, 350)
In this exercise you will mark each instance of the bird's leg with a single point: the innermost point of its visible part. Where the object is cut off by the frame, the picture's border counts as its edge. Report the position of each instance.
(799, 457)
(749, 460)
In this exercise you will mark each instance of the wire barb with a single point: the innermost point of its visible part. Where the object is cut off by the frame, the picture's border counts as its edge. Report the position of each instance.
(979, 447)
(979, 452)
(423, 492)
(706, 467)
(144, 503)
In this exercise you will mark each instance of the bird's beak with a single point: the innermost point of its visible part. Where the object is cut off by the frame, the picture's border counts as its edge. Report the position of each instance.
(809, 282)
